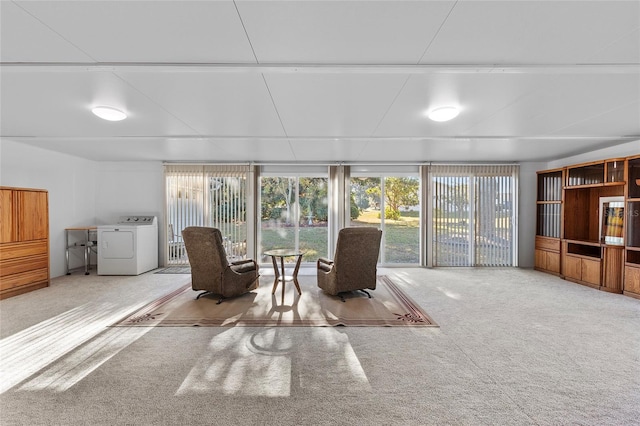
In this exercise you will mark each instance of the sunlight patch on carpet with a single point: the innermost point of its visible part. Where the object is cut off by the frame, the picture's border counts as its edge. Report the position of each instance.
(266, 362)
(40, 345)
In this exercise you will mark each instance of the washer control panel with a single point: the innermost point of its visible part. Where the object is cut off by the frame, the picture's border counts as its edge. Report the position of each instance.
(137, 220)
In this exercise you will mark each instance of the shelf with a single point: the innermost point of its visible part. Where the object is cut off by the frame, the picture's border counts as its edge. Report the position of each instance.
(614, 173)
(584, 250)
(550, 186)
(633, 257)
(587, 174)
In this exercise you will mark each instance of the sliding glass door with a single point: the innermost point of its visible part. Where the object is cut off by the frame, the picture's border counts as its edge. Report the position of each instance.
(470, 210)
(473, 214)
(294, 213)
(214, 196)
(389, 200)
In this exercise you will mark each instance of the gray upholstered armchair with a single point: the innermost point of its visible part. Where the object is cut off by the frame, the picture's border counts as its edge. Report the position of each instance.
(210, 269)
(354, 264)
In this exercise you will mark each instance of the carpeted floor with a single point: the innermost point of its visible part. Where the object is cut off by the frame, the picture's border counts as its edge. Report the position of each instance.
(514, 347)
(388, 306)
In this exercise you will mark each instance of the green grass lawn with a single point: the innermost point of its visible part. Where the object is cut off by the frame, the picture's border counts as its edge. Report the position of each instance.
(401, 238)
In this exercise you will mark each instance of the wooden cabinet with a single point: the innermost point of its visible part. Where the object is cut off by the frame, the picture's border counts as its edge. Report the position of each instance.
(549, 221)
(631, 283)
(581, 263)
(596, 217)
(612, 269)
(547, 255)
(24, 240)
(6, 215)
(632, 277)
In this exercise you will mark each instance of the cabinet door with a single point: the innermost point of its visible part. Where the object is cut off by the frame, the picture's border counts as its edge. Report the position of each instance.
(541, 259)
(32, 213)
(6, 216)
(553, 262)
(591, 271)
(632, 279)
(573, 267)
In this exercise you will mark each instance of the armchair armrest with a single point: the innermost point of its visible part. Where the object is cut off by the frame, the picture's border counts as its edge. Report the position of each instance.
(240, 262)
(324, 264)
(242, 266)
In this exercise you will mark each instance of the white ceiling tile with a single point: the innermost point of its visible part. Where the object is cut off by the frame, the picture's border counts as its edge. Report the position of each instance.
(26, 39)
(59, 104)
(148, 31)
(342, 31)
(533, 32)
(567, 100)
(477, 95)
(333, 105)
(615, 121)
(328, 150)
(626, 49)
(215, 104)
(478, 150)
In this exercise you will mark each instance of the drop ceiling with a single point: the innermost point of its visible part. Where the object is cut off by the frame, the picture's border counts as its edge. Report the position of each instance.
(316, 81)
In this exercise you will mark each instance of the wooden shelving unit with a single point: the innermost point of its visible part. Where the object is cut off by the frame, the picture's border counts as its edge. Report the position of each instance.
(631, 286)
(549, 220)
(588, 230)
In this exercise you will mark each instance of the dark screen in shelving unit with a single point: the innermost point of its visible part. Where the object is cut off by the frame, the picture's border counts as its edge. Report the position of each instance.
(634, 178)
(584, 250)
(633, 224)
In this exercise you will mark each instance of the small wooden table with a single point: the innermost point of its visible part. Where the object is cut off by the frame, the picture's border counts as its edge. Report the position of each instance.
(280, 274)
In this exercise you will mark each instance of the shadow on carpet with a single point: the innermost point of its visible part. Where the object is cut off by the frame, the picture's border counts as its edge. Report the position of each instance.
(388, 307)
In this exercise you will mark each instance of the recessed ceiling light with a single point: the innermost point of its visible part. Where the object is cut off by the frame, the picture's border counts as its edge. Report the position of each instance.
(109, 113)
(443, 113)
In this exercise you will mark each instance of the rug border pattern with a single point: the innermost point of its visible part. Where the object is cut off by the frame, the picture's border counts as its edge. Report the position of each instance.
(415, 315)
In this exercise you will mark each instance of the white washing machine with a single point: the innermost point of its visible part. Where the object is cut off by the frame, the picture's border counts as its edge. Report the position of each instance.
(129, 247)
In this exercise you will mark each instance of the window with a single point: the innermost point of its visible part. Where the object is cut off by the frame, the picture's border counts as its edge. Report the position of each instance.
(209, 195)
(472, 215)
(294, 212)
(389, 199)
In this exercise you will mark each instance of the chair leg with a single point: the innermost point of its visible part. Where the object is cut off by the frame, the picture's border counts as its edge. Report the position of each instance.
(202, 294)
(366, 292)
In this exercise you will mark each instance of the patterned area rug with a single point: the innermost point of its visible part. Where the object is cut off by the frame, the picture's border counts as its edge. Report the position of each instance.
(389, 306)
(175, 270)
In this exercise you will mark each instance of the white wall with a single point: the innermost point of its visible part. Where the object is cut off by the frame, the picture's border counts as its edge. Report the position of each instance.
(527, 213)
(83, 192)
(71, 185)
(130, 188)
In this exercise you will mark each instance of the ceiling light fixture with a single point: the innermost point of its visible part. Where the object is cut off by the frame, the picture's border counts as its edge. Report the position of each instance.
(443, 113)
(109, 113)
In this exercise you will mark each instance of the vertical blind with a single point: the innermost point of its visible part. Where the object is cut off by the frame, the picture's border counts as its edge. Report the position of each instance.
(473, 214)
(206, 195)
